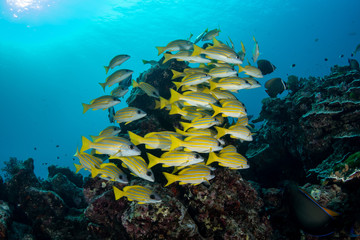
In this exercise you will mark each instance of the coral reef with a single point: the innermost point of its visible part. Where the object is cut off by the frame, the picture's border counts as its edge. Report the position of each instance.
(310, 130)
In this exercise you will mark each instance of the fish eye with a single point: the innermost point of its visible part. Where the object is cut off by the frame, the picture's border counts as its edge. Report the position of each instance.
(149, 173)
(120, 176)
(138, 112)
(155, 93)
(131, 147)
(219, 144)
(197, 156)
(152, 196)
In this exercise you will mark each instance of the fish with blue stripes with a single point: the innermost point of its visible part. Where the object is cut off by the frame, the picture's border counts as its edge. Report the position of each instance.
(151, 141)
(175, 159)
(137, 193)
(197, 132)
(251, 71)
(147, 88)
(116, 146)
(200, 123)
(232, 161)
(103, 102)
(193, 79)
(211, 34)
(185, 56)
(221, 72)
(193, 99)
(87, 161)
(138, 167)
(116, 77)
(232, 84)
(109, 171)
(116, 61)
(200, 144)
(119, 92)
(194, 175)
(107, 132)
(235, 131)
(233, 110)
(128, 115)
(176, 45)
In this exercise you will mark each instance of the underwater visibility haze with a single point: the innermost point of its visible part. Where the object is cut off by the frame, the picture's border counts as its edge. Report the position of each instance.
(303, 119)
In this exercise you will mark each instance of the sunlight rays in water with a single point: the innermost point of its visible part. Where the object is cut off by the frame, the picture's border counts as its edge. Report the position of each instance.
(19, 6)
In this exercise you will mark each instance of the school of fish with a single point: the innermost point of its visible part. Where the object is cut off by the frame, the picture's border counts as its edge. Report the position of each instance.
(204, 97)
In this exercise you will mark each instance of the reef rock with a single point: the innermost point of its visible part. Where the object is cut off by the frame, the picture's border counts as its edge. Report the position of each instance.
(310, 130)
(76, 179)
(5, 219)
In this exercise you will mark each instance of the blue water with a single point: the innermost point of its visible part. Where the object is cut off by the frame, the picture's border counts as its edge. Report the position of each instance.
(52, 55)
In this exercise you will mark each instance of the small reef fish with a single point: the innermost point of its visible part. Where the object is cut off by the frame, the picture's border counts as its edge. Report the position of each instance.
(199, 37)
(211, 34)
(221, 72)
(265, 66)
(220, 94)
(129, 114)
(103, 102)
(176, 45)
(111, 114)
(185, 56)
(147, 88)
(151, 141)
(256, 51)
(116, 146)
(116, 61)
(232, 84)
(197, 132)
(87, 161)
(275, 86)
(193, 79)
(119, 92)
(200, 123)
(242, 52)
(311, 217)
(187, 115)
(194, 175)
(232, 161)
(109, 171)
(201, 144)
(235, 131)
(151, 62)
(229, 149)
(137, 193)
(116, 77)
(233, 110)
(175, 159)
(193, 99)
(137, 166)
(226, 55)
(251, 71)
(253, 83)
(107, 132)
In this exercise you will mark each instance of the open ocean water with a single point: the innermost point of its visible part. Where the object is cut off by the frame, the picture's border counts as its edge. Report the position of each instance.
(52, 55)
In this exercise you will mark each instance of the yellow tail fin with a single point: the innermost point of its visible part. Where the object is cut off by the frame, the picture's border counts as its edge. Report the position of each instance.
(135, 139)
(157, 104)
(86, 143)
(103, 85)
(213, 85)
(176, 74)
(118, 193)
(167, 57)
(106, 69)
(212, 158)
(221, 132)
(163, 102)
(174, 109)
(186, 125)
(197, 50)
(175, 96)
(145, 61)
(134, 84)
(78, 167)
(152, 160)
(86, 107)
(170, 178)
(216, 109)
(178, 85)
(160, 50)
(175, 142)
(94, 172)
(240, 68)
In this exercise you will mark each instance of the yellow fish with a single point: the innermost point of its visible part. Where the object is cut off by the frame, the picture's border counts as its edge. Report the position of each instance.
(103, 102)
(128, 115)
(137, 193)
(116, 61)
